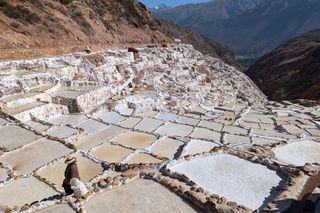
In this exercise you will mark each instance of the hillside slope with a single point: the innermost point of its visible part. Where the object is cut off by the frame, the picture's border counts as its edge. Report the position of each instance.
(201, 43)
(52, 23)
(292, 71)
(263, 28)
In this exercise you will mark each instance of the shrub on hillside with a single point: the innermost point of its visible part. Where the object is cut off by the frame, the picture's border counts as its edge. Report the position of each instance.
(14, 24)
(19, 12)
(66, 2)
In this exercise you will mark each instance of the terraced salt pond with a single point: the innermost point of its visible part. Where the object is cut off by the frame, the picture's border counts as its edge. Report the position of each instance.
(55, 172)
(111, 153)
(30, 189)
(199, 146)
(299, 153)
(136, 140)
(65, 208)
(67, 119)
(161, 148)
(176, 136)
(121, 199)
(172, 129)
(246, 183)
(88, 142)
(36, 154)
(14, 136)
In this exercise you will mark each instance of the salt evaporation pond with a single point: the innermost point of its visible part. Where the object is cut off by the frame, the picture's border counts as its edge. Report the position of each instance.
(239, 180)
(139, 196)
(65, 208)
(299, 153)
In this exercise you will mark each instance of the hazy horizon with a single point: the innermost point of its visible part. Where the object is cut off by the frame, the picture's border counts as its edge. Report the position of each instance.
(153, 3)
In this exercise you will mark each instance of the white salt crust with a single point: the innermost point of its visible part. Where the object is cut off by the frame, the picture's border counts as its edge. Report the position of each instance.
(246, 183)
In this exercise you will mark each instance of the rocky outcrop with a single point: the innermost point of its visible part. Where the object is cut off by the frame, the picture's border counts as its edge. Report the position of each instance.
(291, 71)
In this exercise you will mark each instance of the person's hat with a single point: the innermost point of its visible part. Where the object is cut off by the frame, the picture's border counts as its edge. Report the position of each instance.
(70, 160)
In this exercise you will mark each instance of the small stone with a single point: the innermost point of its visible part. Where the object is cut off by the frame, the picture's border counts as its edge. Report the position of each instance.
(210, 205)
(108, 179)
(309, 168)
(8, 210)
(222, 200)
(135, 168)
(128, 172)
(245, 208)
(177, 175)
(96, 189)
(215, 196)
(181, 190)
(151, 174)
(117, 178)
(142, 167)
(165, 182)
(24, 208)
(38, 132)
(142, 174)
(115, 183)
(173, 185)
(185, 177)
(86, 196)
(300, 173)
(232, 204)
(102, 182)
(125, 175)
(132, 175)
(199, 190)
(194, 195)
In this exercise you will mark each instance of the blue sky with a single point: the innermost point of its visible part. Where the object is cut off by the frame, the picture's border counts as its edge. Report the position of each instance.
(173, 3)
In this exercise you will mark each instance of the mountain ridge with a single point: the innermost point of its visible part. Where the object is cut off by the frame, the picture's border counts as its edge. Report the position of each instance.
(209, 11)
(160, 7)
(264, 27)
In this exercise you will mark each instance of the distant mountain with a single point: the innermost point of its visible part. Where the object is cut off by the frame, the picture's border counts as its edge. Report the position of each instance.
(213, 10)
(201, 43)
(160, 7)
(264, 27)
(291, 71)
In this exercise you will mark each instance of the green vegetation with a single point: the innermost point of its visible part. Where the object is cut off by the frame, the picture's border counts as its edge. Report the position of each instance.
(107, 24)
(65, 2)
(78, 17)
(36, 3)
(19, 12)
(14, 24)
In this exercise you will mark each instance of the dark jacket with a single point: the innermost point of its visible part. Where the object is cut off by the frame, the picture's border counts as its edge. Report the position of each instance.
(71, 172)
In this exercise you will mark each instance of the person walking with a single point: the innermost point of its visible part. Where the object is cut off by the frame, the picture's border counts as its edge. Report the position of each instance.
(71, 172)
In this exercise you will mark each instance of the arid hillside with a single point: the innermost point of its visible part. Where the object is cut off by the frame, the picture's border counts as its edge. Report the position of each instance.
(291, 71)
(54, 23)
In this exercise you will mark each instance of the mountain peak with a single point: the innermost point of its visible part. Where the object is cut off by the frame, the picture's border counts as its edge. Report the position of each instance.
(160, 7)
